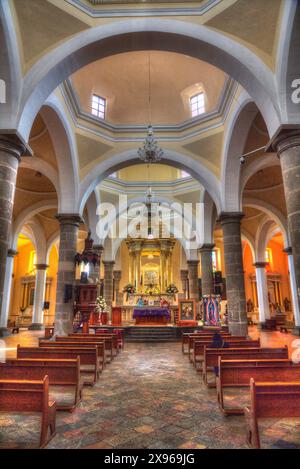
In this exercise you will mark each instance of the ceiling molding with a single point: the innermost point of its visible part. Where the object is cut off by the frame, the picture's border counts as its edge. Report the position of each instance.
(100, 127)
(98, 10)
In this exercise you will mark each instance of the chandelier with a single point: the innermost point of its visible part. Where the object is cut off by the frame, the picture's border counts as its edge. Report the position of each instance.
(150, 152)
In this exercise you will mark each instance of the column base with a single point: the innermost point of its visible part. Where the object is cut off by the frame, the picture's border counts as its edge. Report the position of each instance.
(238, 328)
(4, 332)
(36, 327)
(296, 330)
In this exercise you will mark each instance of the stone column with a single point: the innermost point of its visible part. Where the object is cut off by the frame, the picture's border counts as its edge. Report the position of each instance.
(118, 295)
(184, 277)
(293, 285)
(39, 297)
(235, 287)
(193, 278)
(108, 282)
(7, 290)
(262, 291)
(287, 145)
(11, 150)
(64, 313)
(207, 280)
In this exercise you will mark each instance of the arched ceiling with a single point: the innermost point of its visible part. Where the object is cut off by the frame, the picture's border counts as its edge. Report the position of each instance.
(123, 80)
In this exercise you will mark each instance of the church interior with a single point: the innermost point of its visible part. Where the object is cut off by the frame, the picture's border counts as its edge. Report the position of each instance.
(149, 224)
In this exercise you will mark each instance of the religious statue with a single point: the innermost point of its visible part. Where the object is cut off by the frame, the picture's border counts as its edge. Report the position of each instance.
(249, 306)
(287, 304)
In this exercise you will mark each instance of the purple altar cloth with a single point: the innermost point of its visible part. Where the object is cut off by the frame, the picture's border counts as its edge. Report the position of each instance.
(142, 312)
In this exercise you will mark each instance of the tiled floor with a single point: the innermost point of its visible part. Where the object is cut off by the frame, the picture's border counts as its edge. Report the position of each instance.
(151, 397)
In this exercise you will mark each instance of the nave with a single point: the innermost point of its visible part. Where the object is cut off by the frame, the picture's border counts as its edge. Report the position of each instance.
(150, 396)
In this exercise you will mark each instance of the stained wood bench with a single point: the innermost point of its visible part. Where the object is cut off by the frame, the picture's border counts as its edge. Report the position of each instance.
(208, 339)
(70, 342)
(185, 337)
(61, 373)
(237, 374)
(270, 400)
(198, 348)
(110, 342)
(211, 357)
(89, 362)
(30, 396)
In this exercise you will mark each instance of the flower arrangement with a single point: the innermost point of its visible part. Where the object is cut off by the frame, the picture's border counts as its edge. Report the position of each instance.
(172, 289)
(129, 289)
(100, 304)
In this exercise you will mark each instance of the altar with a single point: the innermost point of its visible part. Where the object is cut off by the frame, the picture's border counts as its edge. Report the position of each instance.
(151, 315)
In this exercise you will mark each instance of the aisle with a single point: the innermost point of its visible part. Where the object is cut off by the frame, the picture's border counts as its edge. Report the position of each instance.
(151, 397)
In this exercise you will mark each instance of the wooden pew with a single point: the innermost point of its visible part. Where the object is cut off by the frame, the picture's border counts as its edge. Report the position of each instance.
(237, 374)
(193, 338)
(30, 396)
(63, 373)
(110, 342)
(185, 337)
(70, 342)
(270, 400)
(89, 362)
(211, 357)
(198, 348)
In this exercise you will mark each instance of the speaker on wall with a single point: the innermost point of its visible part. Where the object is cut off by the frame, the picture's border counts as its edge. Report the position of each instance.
(46, 305)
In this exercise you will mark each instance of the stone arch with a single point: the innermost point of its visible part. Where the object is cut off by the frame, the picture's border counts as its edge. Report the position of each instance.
(235, 139)
(40, 240)
(50, 243)
(37, 164)
(195, 168)
(64, 144)
(272, 212)
(250, 240)
(157, 34)
(26, 215)
(270, 159)
(261, 238)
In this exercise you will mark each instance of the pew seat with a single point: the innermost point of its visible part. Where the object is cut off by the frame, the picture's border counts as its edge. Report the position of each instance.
(65, 384)
(23, 399)
(270, 400)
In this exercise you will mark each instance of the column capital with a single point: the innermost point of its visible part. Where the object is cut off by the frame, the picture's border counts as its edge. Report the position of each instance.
(230, 217)
(69, 219)
(13, 144)
(117, 274)
(288, 250)
(41, 266)
(286, 137)
(206, 247)
(109, 263)
(12, 253)
(260, 265)
(193, 262)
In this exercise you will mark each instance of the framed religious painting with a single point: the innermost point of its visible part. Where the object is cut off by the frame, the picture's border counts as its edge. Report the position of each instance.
(187, 310)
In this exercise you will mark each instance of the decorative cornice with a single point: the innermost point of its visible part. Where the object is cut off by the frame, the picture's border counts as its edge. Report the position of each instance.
(69, 95)
(13, 144)
(260, 265)
(229, 217)
(12, 253)
(138, 10)
(41, 266)
(287, 136)
(69, 219)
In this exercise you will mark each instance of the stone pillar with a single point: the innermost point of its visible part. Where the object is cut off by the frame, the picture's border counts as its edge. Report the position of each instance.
(39, 297)
(118, 296)
(287, 145)
(262, 292)
(11, 150)
(7, 289)
(293, 285)
(108, 282)
(207, 280)
(193, 278)
(184, 277)
(235, 287)
(64, 313)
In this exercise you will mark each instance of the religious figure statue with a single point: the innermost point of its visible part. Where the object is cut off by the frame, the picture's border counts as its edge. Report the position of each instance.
(287, 304)
(249, 306)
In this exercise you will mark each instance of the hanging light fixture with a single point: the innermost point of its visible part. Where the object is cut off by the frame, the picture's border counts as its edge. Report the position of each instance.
(150, 152)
